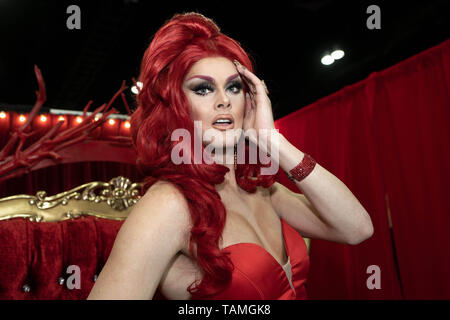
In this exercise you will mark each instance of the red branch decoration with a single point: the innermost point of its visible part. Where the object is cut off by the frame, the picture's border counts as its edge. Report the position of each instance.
(14, 161)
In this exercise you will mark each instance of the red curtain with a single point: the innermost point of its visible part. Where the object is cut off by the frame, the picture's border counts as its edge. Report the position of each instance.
(387, 138)
(62, 177)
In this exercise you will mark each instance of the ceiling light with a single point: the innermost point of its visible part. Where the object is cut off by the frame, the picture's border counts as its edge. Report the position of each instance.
(327, 60)
(337, 54)
(134, 89)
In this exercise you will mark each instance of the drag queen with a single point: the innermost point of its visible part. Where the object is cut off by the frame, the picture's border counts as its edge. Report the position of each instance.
(208, 227)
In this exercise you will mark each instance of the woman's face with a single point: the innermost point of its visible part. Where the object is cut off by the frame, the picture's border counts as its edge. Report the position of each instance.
(214, 90)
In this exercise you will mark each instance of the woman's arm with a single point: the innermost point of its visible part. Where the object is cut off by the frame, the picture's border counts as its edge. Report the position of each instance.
(153, 233)
(327, 209)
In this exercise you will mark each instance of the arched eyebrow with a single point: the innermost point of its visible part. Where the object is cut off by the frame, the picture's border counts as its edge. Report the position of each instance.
(210, 79)
(232, 77)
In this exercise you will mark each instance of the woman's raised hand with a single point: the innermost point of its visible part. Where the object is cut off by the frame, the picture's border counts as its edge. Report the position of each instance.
(258, 108)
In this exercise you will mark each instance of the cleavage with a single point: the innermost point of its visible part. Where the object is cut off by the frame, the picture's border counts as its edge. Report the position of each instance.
(237, 225)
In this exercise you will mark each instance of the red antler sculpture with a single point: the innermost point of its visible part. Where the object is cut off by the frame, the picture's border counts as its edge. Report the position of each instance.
(14, 161)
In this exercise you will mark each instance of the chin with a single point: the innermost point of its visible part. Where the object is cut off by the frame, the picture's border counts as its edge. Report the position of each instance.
(220, 149)
(221, 145)
(222, 138)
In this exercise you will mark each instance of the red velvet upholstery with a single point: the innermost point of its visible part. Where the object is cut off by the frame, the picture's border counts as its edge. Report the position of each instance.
(38, 253)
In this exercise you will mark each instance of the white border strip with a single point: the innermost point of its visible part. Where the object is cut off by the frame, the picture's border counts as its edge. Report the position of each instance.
(80, 113)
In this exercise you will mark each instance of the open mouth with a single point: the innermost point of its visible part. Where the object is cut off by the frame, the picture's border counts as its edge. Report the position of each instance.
(223, 123)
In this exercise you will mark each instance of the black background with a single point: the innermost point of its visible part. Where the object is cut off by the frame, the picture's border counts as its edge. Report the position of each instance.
(285, 38)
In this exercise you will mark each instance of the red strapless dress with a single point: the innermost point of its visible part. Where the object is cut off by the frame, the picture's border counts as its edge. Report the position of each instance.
(258, 276)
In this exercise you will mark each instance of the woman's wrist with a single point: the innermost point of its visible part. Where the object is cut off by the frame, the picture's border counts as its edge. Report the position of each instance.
(269, 141)
(280, 150)
(289, 155)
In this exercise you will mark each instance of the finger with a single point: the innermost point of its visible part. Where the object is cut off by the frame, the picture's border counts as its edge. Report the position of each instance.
(250, 85)
(265, 87)
(250, 91)
(252, 102)
(256, 84)
(248, 105)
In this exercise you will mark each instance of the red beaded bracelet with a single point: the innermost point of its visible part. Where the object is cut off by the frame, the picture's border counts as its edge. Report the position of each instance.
(303, 169)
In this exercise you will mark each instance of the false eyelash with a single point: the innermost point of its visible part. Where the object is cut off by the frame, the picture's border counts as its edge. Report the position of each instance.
(202, 86)
(208, 86)
(236, 84)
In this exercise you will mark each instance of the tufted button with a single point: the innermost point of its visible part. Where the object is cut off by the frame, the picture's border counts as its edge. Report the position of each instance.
(61, 281)
(26, 288)
(95, 277)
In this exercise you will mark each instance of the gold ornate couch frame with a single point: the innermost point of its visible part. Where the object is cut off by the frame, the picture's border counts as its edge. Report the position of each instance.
(109, 200)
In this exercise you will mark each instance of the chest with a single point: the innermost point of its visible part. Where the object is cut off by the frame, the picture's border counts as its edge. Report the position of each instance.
(250, 220)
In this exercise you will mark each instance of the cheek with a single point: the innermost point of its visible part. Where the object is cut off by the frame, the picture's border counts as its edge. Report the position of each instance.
(197, 108)
(239, 105)
(194, 107)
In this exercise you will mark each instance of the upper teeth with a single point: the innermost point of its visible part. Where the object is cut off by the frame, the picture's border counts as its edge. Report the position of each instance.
(223, 120)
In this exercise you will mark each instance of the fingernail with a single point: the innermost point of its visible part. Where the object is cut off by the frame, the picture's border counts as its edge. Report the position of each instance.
(238, 64)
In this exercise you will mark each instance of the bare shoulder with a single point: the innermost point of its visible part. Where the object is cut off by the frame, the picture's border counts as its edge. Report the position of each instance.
(151, 237)
(165, 198)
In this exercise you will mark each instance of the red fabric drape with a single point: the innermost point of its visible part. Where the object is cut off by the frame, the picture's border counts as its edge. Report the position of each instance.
(387, 139)
(37, 255)
(412, 118)
(62, 177)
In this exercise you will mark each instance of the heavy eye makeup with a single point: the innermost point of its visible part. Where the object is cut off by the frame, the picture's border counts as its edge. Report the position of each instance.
(205, 87)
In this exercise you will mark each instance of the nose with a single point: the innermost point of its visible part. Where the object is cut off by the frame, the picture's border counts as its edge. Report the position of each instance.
(223, 100)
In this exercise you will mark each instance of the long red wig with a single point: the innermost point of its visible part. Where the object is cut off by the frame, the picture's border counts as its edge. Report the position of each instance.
(161, 108)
